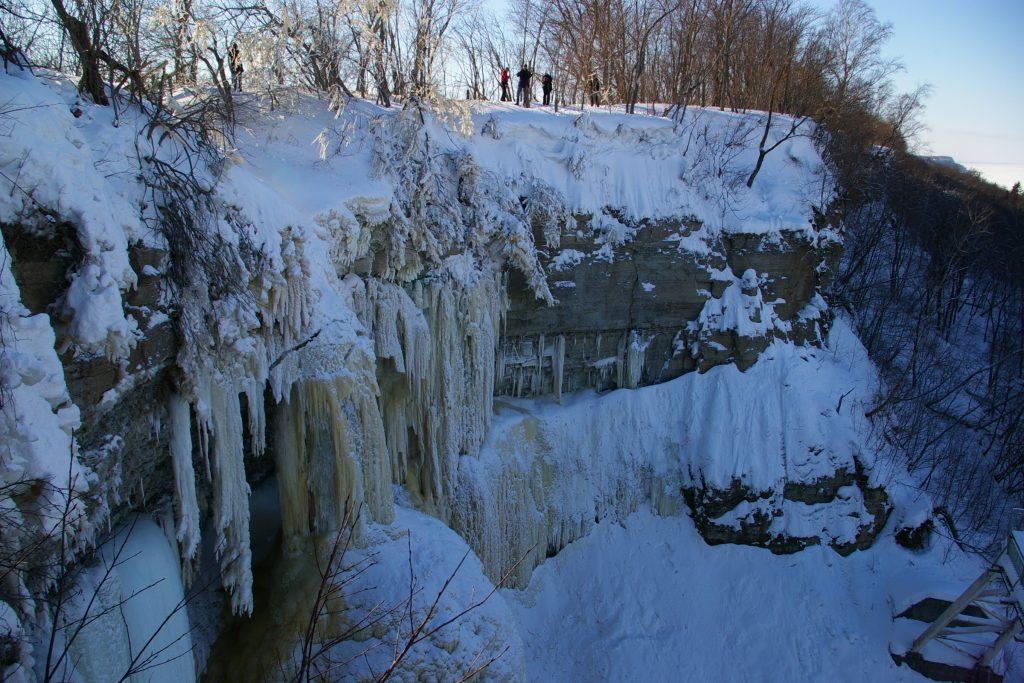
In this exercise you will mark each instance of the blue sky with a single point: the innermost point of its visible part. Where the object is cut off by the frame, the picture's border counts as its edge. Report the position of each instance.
(972, 54)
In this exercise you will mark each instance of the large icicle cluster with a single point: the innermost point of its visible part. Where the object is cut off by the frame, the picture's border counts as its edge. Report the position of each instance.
(536, 368)
(433, 309)
(438, 342)
(329, 447)
(247, 330)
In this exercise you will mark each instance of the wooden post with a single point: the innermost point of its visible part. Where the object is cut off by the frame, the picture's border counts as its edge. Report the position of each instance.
(953, 610)
(1001, 641)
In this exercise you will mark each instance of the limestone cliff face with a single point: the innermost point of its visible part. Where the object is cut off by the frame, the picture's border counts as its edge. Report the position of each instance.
(120, 438)
(623, 317)
(632, 315)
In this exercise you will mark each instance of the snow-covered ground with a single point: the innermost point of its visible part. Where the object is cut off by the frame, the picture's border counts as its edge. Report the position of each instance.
(649, 600)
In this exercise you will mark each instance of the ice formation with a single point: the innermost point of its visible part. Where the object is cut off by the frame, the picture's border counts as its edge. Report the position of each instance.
(354, 333)
(538, 367)
(231, 493)
(133, 603)
(439, 342)
(330, 452)
(547, 473)
(188, 520)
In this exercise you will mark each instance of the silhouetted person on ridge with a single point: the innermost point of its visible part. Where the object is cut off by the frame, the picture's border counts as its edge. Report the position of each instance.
(503, 78)
(545, 84)
(523, 91)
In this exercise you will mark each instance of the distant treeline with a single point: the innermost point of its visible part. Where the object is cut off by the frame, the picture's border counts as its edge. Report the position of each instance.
(933, 277)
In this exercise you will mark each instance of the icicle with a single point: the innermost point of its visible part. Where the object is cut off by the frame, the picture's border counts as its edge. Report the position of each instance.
(204, 426)
(231, 497)
(443, 340)
(330, 451)
(538, 368)
(620, 360)
(257, 417)
(376, 470)
(499, 366)
(288, 302)
(333, 475)
(635, 353)
(558, 365)
(187, 528)
(290, 459)
(386, 321)
(400, 333)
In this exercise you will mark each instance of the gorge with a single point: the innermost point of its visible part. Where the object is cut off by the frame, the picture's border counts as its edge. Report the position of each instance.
(502, 337)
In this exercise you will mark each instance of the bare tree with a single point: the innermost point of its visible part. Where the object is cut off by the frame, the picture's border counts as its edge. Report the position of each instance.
(431, 20)
(408, 625)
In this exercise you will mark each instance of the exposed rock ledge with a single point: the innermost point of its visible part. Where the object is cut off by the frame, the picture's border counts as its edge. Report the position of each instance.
(843, 509)
(670, 300)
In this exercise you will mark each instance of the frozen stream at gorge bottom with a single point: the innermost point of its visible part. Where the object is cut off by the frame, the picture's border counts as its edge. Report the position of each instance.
(649, 600)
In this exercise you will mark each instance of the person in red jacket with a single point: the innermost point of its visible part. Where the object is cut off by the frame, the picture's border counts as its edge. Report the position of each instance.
(506, 96)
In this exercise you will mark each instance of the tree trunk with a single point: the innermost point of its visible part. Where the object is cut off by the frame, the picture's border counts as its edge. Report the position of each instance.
(91, 82)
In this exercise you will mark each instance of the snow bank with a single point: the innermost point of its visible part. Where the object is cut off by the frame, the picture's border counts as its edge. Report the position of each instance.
(647, 599)
(374, 584)
(59, 165)
(485, 632)
(38, 417)
(649, 167)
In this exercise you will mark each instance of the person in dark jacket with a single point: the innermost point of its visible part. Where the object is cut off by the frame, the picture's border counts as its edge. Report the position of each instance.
(523, 91)
(595, 90)
(235, 65)
(503, 78)
(545, 84)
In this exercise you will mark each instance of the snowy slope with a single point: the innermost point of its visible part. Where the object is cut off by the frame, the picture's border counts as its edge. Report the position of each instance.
(643, 167)
(649, 600)
(651, 167)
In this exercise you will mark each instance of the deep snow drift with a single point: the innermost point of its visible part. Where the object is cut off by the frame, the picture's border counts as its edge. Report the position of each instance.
(647, 599)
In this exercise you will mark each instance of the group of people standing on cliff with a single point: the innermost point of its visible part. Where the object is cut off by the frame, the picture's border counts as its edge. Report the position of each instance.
(523, 91)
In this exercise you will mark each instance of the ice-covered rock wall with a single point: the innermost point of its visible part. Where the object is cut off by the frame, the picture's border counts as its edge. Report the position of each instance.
(344, 307)
(673, 299)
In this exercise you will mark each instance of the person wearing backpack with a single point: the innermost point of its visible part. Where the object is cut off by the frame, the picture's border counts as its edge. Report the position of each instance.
(595, 90)
(545, 85)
